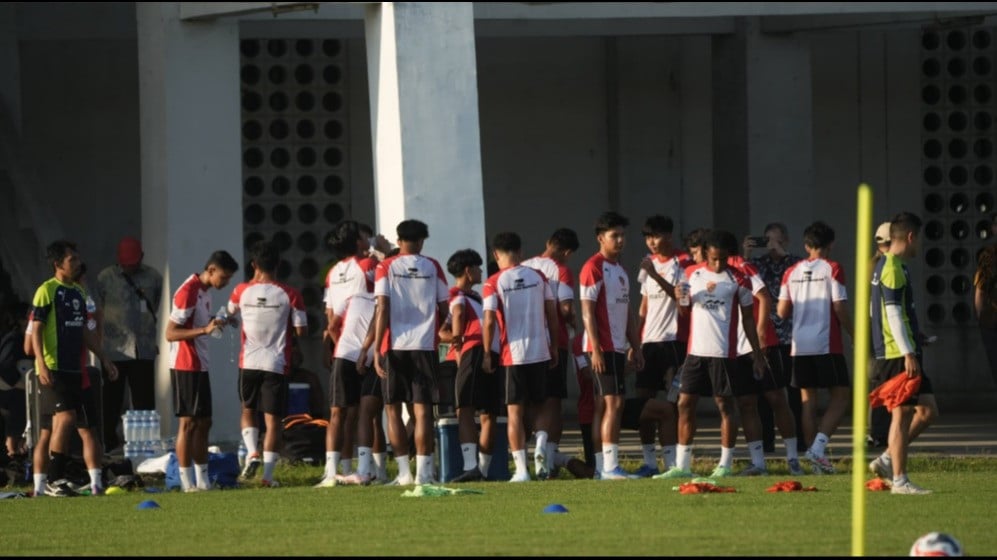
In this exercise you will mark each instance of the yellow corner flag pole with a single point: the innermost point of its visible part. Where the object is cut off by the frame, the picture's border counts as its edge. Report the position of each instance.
(860, 400)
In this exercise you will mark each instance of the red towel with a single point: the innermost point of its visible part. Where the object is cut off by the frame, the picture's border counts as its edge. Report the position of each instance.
(896, 391)
(703, 488)
(791, 486)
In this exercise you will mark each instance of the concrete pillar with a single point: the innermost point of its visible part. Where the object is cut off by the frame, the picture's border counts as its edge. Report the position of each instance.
(10, 63)
(191, 175)
(424, 119)
(763, 131)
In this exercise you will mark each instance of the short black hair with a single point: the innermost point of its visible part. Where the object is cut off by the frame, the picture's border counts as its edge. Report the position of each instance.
(818, 235)
(507, 242)
(610, 220)
(57, 250)
(265, 256)
(781, 227)
(461, 260)
(365, 230)
(696, 238)
(904, 223)
(564, 239)
(343, 239)
(658, 225)
(412, 230)
(720, 239)
(222, 260)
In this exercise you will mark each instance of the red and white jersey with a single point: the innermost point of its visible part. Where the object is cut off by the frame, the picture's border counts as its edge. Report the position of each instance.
(757, 284)
(357, 312)
(414, 286)
(472, 304)
(607, 284)
(518, 295)
(812, 286)
(561, 283)
(716, 301)
(348, 277)
(191, 310)
(662, 322)
(269, 311)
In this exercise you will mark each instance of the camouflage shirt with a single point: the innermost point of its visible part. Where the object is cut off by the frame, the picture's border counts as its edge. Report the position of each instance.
(771, 270)
(130, 330)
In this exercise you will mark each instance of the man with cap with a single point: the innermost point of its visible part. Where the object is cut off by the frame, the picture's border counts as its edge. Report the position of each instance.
(128, 294)
(879, 418)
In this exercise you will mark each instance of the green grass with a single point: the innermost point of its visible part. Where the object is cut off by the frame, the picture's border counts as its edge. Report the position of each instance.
(638, 517)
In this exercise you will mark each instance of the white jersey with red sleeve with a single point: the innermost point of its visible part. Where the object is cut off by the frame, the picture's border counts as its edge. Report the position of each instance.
(662, 323)
(716, 301)
(472, 304)
(348, 277)
(607, 284)
(414, 286)
(191, 310)
(561, 283)
(518, 295)
(757, 285)
(812, 286)
(269, 311)
(349, 293)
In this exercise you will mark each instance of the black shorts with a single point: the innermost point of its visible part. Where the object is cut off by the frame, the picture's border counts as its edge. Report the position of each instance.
(370, 384)
(883, 370)
(776, 376)
(718, 377)
(65, 392)
(661, 361)
(822, 371)
(556, 386)
(473, 386)
(632, 408)
(613, 381)
(522, 384)
(264, 391)
(344, 384)
(86, 413)
(191, 393)
(411, 377)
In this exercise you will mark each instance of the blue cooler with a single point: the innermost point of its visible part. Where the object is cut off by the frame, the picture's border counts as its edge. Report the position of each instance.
(451, 458)
(499, 469)
(297, 398)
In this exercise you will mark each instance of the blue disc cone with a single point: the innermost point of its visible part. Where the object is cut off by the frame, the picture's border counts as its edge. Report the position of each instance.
(555, 508)
(148, 504)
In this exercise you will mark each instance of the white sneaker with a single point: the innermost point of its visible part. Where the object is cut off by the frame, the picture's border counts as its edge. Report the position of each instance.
(881, 468)
(909, 488)
(520, 477)
(355, 479)
(402, 481)
(540, 466)
(327, 483)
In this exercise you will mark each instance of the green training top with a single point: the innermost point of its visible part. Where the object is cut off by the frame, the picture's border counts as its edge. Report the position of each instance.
(62, 308)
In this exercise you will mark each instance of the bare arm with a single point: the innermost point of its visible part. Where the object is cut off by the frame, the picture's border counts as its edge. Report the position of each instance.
(365, 348)
(92, 341)
(642, 314)
(647, 265)
(757, 356)
(176, 333)
(592, 331)
(487, 336)
(334, 325)
(841, 311)
(550, 309)
(979, 301)
(764, 308)
(37, 345)
(633, 335)
(567, 313)
(785, 309)
(382, 319)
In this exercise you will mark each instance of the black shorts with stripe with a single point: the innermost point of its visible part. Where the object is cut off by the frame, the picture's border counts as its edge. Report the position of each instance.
(719, 377)
(264, 391)
(522, 384)
(412, 377)
(821, 371)
(86, 413)
(661, 361)
(191, 393)
(344, 384)
(473, 386)
(613, 380)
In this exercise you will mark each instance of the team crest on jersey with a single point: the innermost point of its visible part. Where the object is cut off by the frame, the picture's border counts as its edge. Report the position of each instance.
(261, 301)
(76, 305)
(623, 281)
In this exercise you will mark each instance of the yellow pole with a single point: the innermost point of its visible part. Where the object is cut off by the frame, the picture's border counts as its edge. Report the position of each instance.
(863, 240)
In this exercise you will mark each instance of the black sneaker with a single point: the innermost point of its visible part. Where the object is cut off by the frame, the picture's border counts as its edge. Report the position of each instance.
(472, 475)
(252, 465)
(60, 489)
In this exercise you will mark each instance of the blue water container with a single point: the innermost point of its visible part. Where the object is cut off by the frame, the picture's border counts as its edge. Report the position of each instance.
(499, 469)
(297, 398)
(451, 458)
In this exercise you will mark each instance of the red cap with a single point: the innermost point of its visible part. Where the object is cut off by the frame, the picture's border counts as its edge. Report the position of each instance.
(129, 251)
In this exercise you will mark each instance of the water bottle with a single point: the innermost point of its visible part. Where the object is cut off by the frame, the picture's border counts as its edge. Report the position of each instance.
(156, 428)
(131, 452)
(126, 425)
(673, 391)
(222, 315)
(145, 425)
(684, 299)
(242, 454)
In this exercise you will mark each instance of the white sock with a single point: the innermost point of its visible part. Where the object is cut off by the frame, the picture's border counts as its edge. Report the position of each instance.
(250, 436)
(381, 464)
(95, 478)
(423, 468)
(900, 480)
(560, 459)
(610, 457)
(541, 446)
(757, 453)
(363, 461)
(484, 462)
(346, 465)
(403, 469)
(470, 453)
(331, 463)
(201, 476)
(649, 458)
(519, 457)
(186, 478)
(726, 457)
(668, 456)
(820, 442)
(683, 457)
(269, 463)
(790, 444)
(598, 463)
(41, 480)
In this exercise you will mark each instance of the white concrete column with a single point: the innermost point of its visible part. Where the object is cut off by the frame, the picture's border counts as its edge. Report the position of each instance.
(10, 63)
(424, 120)
(191, 176)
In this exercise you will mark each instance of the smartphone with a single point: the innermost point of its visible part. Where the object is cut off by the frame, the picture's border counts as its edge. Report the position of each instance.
(760, 241)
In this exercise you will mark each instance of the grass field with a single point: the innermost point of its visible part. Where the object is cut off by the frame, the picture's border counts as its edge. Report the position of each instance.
(636, 517)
